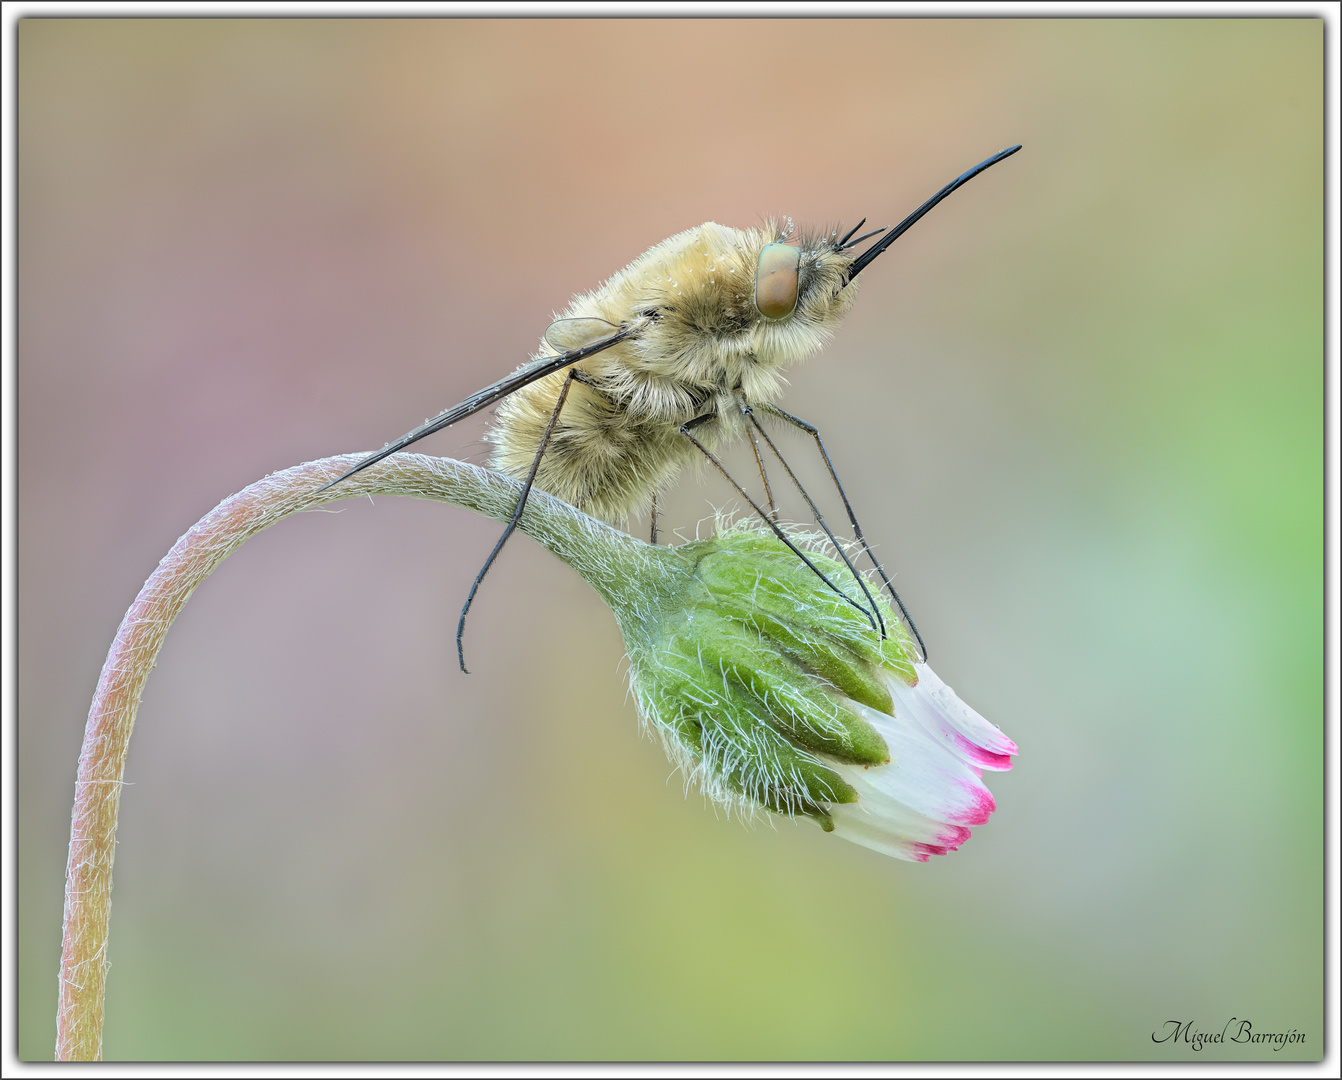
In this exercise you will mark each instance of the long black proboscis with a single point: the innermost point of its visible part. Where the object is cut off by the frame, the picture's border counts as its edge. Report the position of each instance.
(483, 399)
(899, 230)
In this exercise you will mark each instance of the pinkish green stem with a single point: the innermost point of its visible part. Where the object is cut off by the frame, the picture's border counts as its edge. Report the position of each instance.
(102, 761)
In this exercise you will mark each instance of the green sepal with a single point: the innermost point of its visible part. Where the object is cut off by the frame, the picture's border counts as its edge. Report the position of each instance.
(756, 572)
(777, 689)
(897, 657)
(697, 697)
(821, 631)
(837, 664)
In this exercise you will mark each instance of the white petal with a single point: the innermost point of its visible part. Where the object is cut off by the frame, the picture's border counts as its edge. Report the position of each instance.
(914, 837)
(937, 709)
(921, 802)
(923, 773)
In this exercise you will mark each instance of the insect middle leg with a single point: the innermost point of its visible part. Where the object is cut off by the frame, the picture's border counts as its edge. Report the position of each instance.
(573, 375)
(749, 414)
(814, 432)
(759, 462)
(685, 430)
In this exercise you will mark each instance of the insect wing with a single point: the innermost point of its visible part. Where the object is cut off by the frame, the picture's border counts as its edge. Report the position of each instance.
(483, 399)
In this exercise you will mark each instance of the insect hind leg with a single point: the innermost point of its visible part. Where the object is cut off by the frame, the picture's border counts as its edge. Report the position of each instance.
(685, 430)
(814, 432)
(573, 375)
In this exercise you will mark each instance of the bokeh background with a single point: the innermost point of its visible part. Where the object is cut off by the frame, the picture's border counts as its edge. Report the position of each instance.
(1079, 406)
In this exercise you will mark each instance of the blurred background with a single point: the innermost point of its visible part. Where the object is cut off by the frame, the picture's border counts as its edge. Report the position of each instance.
(1079, 408)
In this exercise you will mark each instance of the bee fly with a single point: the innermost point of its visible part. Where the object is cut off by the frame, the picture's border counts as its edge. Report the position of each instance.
(678, 353)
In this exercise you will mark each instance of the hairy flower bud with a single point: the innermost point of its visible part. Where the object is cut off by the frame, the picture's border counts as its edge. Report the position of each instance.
(772, 691)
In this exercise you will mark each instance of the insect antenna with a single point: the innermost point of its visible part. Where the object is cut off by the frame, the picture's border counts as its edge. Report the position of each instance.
(899, 230)
(848, 235)
(517, 516)
(814, 432)
(815, 512)
(864, 236)
(777, 531)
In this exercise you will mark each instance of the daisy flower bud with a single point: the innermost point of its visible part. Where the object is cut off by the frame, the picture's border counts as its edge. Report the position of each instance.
(772, 692)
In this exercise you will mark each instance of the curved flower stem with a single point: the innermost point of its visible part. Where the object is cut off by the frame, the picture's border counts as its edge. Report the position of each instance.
(584, 543)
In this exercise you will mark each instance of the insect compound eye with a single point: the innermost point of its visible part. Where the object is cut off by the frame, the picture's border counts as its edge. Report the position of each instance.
(776, 280)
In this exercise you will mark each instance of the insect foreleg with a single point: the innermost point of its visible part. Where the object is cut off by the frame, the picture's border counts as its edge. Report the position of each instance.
(573, 374)
(778, 532)
(814, 432)
(815, 510)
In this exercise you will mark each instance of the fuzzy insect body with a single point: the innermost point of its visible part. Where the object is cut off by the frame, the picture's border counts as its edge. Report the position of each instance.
(699, 350)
